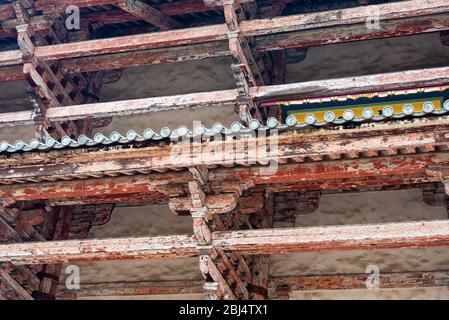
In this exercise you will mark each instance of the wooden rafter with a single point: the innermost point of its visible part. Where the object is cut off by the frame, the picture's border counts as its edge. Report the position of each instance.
(245, 68)
(149, 14)
(50, 272)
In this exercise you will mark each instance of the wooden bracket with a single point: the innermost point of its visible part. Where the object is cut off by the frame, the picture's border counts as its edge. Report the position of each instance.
(245, 68)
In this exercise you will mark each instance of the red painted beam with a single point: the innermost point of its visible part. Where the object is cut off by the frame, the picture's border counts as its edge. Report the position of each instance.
(135, 42)
(396, 19)
(331, 175)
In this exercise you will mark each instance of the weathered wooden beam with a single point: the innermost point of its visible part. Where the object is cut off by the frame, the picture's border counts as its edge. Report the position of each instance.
(8, 58)
(343, 86)
(308, 89)
(51, 272)
(288, 178)
(131, 200)
(217, 204)
(115, 289)
(55, 5)
(352, 33)
(273, 34)
(70, 164)
(252, 242)
(149, 14)
(111, 249)
(101, 18)
(145, 105)
(352, 174)
(314, 37)
(279, 287)
(143, 57)
(348, 16)
(105, 187)
(7, 279)
(38, 23)
(245, 69)
(134, 42)
(11, 73)
(170, 9)
(19, 118)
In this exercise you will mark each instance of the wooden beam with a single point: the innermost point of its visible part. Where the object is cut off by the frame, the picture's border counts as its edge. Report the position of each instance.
(107, 249)
(101, 18)
(277, 33)
(169, 9)
(69, 164)
(135, 42)
(359, 84)
(130, 200)
(11, 73)
(216, 204)
(19, 118)
(116, 289)
(308, 89)
(102, 188)
(7, 279)
(279, 287)
(149, 14)
(352, 33)
(315, 37)
(417, 279)
(144, 57)
(8, 58)
(51, 5)
(421, 234)
(347, 16)
(136, 106)
(250, 28)
(51, 272)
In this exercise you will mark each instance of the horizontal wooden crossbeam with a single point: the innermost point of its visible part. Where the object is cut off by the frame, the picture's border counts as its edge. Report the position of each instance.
(305, 147)
(279, 287)
(308, 89)
(250, 242)
(396, 19)
(52, 6)
(19, 118)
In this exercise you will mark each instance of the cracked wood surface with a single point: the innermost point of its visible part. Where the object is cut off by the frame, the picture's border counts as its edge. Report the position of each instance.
(418, 234)
(397, 19)
(279, 287)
